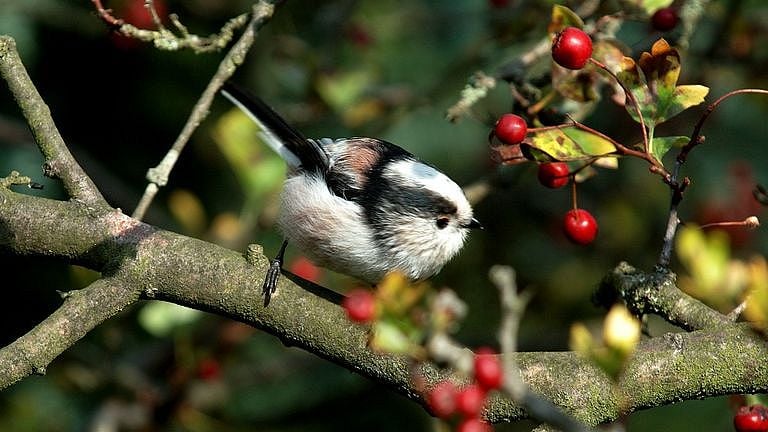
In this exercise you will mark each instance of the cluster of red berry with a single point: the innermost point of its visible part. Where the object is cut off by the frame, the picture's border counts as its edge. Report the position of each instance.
(572, 49)
(446, 400)
(751, 419)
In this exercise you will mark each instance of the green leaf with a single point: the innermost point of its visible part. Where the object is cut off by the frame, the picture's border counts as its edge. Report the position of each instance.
(341, 89)
(388, 337)
(563, 17)
(652, 6)
(661, 145)
(630, 74)
(653, 82)
(259, 170)
(634, 7)
(682, 98)
(161, 318)
(567, 144)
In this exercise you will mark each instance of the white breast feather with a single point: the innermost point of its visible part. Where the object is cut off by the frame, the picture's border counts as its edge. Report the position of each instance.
(328, 229)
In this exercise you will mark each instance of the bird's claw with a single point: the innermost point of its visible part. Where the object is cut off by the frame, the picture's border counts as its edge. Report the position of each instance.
(270, 281)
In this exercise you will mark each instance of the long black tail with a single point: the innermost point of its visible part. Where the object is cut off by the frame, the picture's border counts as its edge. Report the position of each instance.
(289, 143)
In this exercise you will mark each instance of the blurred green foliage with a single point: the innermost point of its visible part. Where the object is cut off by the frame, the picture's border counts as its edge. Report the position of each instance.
(339, 68)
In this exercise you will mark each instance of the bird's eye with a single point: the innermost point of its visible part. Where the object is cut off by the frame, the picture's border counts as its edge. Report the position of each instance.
(442, 222)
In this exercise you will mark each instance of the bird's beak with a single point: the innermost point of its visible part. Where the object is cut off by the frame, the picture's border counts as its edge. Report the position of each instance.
(473, 224)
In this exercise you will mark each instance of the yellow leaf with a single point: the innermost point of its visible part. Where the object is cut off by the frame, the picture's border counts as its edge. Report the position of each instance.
(756, 311)
(621, 330)
(581, 340)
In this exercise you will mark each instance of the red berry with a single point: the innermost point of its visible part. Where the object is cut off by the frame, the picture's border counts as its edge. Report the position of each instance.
(572, 48)
(442, 399)
(510, 129)
(580, 226)
(474, 425)
(664, 19)
(359, 35)
(360, 305)
(209, 369)
(470, 400)
(751, 419)
(305, 269)
(499, 3)
(554, 174)
(488, 372)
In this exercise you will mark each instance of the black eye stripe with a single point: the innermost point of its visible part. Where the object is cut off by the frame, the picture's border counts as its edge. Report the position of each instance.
(444, 206)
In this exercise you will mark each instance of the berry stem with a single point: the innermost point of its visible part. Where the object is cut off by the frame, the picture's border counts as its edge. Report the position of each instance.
(631, 98)
(574, 201)
(696, 137)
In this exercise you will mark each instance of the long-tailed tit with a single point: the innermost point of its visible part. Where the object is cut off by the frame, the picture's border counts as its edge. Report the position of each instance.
(360, 206)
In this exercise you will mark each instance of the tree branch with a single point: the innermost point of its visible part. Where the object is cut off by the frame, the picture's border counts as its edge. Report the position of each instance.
(81, 311)
(59, 162)
(657, 293)
(190, 272)
(158, 176)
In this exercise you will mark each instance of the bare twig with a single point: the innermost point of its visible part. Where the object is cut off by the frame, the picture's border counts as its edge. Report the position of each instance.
(158, 176)
(696, 137)
(81, 311)
(631, 98)
(106, 14)
(673, 221)
(513, 305)
(477, 87)
(678, 186)
(164, 39)
(750, 222)
(59, 162)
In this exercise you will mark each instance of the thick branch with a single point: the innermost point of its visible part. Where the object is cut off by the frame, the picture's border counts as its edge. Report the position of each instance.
(81, 311)
(194, 273)
(59, 162)
(657, 293)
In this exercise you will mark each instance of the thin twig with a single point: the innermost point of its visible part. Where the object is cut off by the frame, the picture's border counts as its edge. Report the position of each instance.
(59, 162)
(631, 98)
(106, 14)
(679, 186)
(158, 176)
(673, 221)
(81, 312)
(513, 305)
(150, 5)
(164, 39)
(696, 137)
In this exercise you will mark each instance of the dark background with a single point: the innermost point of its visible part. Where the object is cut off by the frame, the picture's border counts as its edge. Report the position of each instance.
(340, 68)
